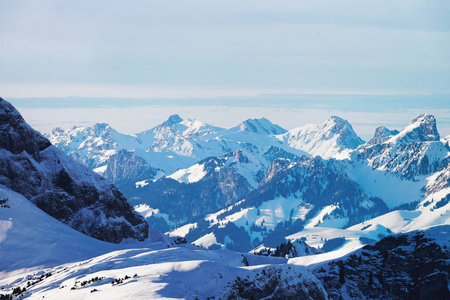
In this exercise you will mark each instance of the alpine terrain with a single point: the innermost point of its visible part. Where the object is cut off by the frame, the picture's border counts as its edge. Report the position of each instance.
(255, 211)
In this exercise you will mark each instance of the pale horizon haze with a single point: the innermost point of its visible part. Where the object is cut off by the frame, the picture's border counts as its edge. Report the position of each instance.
(134, 63)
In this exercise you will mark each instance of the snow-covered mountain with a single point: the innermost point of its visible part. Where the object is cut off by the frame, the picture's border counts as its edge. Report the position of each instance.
(91, 145)
(204, 188)
(256, 182)
(381, 135)
(360, 221)
(303, 194)
(307, 192)
(47, 259)
(260, 126)
(62, 187)
(326, 140)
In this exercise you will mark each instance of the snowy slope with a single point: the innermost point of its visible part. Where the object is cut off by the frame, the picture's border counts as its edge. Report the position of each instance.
(34, 244)
(242, 162)
(30, 238)
(159, 272)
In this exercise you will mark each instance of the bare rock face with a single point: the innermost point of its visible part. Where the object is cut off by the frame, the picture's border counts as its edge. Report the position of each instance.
(411, 153)
(423, 128)
(16, 136)
(125, 168)
(60, 186)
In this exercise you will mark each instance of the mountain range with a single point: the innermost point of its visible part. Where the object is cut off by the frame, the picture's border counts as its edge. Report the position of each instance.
(262, 179)
(252, 211)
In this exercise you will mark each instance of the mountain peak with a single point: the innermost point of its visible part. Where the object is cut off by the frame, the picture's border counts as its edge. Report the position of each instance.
(16, 135)
(421, 129)
(336, 119)
(381, 135)
(347, 138)
(100, 126)
(172, 120)
(336, 124)
(261, 126)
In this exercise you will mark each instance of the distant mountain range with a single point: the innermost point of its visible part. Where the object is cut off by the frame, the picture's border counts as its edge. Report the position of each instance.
(315, 212)
(256, 183)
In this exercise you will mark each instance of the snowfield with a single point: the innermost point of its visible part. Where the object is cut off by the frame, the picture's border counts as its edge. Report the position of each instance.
(53, 261)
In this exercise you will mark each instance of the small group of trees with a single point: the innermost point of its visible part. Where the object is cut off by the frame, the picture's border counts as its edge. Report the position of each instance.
(16, 291)
(5, 296)
(120, 280)
(4, 204)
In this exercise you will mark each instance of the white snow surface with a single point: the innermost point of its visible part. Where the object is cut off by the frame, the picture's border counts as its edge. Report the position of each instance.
(189, 175)
(34, 244)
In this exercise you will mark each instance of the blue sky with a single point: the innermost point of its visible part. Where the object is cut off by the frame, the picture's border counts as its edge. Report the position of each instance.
(210, 51)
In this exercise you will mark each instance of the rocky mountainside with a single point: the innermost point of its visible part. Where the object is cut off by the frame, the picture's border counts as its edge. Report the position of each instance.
(415, 151)
(91, 146)
(60, 186)
(307, 192)
(124, 169)
(405, 266)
